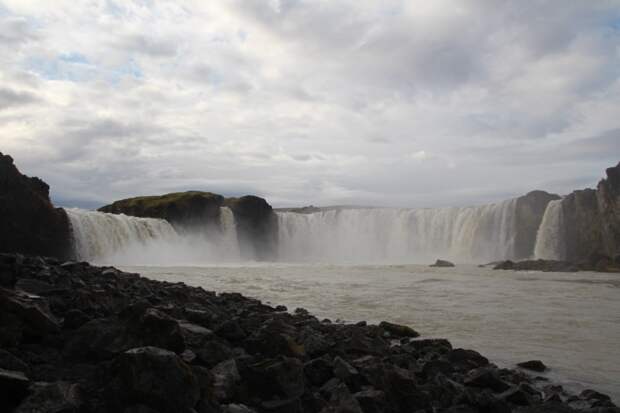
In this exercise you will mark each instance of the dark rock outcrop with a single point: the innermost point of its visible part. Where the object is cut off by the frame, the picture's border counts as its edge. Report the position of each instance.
(534, 365)
(189, 209)
(256, 226)
(592, 220)
(29, 223)
(537, 265)
(200, 211)
(529, 212)
(100, 340)
(442, 263)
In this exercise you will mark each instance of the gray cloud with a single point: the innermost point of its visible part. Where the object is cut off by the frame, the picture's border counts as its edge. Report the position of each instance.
(9, 98)
(411, 103)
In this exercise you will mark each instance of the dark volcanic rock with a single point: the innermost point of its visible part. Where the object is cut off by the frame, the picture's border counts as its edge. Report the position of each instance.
(29, 223)
(256, 226)
(397, 330)
(53, 397)
(442, 263)
(591, 220)
(97, 342)
(13, 388)
(154, 377)
(537, 265)
(534, 365)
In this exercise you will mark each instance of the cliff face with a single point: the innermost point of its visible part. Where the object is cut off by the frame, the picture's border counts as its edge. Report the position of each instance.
(256, 226)
(592, 220)
(529, 213)
(194, 210)
(608, 198)
(29, 223)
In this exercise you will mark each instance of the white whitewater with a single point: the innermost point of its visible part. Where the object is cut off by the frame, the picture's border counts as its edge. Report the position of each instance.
(550, 242)
(119, 239)
(465, 234)
(229, 238)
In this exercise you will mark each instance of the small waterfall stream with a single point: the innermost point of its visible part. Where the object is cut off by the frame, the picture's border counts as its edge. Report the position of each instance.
(550, 240)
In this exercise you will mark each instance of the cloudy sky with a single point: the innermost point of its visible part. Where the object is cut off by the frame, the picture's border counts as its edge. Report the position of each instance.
(397, 103)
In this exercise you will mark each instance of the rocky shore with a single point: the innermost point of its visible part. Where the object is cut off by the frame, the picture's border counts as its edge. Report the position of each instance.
(79, 338)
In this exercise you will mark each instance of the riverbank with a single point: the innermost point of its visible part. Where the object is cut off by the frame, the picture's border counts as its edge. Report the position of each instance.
(98, 339)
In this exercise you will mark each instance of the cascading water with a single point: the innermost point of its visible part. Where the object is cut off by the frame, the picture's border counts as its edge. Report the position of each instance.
(125, 240)
(550, 242)
(228, 226)
(398, 235)
(97, 234)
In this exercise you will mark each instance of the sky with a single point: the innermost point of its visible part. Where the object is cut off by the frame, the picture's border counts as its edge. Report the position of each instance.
(323, 102)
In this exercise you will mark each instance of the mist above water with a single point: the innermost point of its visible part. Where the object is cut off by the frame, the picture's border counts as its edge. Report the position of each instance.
(371, 235)
(119, 239)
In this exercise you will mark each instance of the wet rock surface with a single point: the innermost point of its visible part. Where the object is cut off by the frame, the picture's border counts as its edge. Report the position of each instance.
(79, 338)
(597, 262)
(442, 264)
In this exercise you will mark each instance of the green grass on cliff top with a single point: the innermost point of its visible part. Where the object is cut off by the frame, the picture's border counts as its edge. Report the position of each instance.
(154, 201)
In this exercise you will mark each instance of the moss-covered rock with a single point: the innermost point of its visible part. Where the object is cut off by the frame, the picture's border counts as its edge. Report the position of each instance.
(182, 209)
(29, 223)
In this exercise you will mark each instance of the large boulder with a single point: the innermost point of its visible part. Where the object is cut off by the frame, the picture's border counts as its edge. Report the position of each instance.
(156, 378)
(29, 223)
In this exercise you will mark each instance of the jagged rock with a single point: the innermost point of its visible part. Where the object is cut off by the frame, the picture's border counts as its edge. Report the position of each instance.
(318, 371)
(397, 330)
(29, 223)
(75, 318)
(442, 264)
(275, 378)
(13, 388)
(194, 335)
(9, 361)
(53, 397)
(155, 377)
(534, 365)
(486, 377)
(225, 379)
(466, 359)
(347, 373)
(537, 265)
(33, 311)
(371, 400)
(236, 408)
(230, 330)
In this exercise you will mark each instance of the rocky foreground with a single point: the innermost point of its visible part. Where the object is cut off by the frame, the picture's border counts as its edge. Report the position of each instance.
(79, 338)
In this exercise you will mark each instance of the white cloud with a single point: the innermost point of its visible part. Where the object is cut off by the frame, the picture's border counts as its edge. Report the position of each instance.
(310, 102)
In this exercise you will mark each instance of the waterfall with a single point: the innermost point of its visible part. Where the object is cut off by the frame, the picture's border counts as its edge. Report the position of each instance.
(398, 235)
(119, 239)
(229, 239)
(550, 242)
